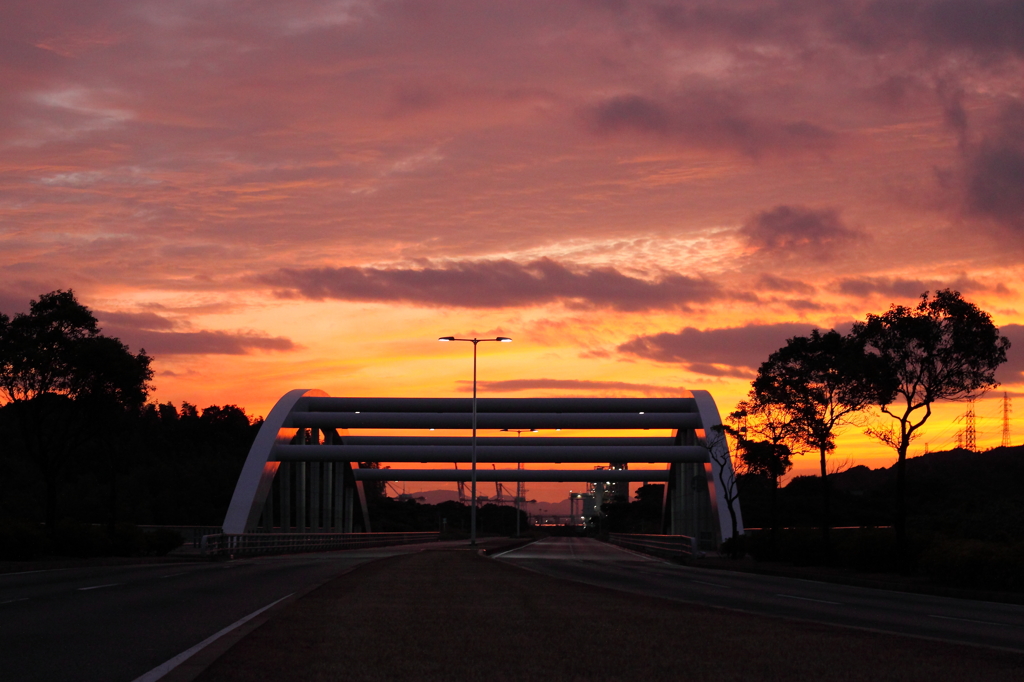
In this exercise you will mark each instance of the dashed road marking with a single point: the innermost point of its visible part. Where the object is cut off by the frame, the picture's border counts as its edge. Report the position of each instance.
(97, 587)
(971, 620)
(820, 601)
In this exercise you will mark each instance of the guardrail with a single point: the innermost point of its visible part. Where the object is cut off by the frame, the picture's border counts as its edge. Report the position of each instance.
(193, 535)
(254, 544)
(668, 546)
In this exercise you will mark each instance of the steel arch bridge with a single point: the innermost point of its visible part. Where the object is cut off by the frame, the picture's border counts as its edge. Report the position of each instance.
(303, 468)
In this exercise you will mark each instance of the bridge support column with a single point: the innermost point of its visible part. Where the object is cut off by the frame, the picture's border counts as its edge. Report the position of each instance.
(349, 508)
(284, 473)
(268, 510)
(339, 497)
(328, 497)
(300, 497)
(314, 497)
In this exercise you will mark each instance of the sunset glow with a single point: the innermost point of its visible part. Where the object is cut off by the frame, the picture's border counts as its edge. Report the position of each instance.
(646, 196)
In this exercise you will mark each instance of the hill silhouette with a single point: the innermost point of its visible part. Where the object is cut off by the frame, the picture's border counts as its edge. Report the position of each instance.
(957, 493)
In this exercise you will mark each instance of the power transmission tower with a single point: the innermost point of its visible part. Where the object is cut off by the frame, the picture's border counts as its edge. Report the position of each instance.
(970, 434)
(1007, 409)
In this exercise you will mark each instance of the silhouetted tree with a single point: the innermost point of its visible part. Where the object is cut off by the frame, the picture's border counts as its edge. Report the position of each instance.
(644, 515)
(819, 382)
(766, 440)
(718, 450)
(943, 349)
(374, 490)
(60, 378)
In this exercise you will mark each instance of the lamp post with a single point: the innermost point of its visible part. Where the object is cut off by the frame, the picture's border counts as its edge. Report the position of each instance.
(472, 476)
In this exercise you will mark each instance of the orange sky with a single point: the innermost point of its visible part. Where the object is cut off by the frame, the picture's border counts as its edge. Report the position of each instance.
(645, 196)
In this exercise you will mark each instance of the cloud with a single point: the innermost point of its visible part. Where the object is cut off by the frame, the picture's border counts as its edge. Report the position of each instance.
(497, 284)
(1012, 371)
(512, 385)
(731, 351)
(148, 321)
(899, 287)
(710, 119)
(767, 282)
(786, 229)
(986, 27)
(155, 333)
(995, 171)
(982, 26)
(159, 343)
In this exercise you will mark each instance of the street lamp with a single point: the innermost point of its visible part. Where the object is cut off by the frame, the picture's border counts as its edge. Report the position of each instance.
(472, 510)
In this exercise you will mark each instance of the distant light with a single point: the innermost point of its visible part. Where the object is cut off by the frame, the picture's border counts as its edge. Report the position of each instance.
(358, 412)
(431, 429)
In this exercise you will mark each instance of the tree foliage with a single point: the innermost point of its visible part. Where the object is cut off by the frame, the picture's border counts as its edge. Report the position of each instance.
(64, 382)
(945, 348)
(818, 383)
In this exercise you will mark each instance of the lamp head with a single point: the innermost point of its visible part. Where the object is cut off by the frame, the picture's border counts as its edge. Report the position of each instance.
(447, 338)
(504, 339)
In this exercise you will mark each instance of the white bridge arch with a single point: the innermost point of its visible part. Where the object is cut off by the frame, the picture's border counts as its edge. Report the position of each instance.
(305, 446)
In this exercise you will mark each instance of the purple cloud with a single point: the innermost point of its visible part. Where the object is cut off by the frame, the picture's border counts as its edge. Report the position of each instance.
(708, 118)
(784, 285)
(159, 343)
(995, 171)
(146, 320)
(986, 27)
(899, 287)
(732, 351)
(1012, 371)
(798, 228)
(157, 335)
(498, 283)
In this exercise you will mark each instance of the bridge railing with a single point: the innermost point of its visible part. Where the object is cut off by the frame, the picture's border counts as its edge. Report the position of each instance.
(668, 546)
(254, 544)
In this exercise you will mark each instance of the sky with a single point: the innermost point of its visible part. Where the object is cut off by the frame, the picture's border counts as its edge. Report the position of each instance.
(646, 196)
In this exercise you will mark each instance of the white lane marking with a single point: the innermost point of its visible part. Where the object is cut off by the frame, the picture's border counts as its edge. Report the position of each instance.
(72, 568)
(11, 601)
(495, 556)
(96, 587)
(712, 584)
(169, 665)
(171, 575)
(820, 601)
(971, 620)
(41, 570)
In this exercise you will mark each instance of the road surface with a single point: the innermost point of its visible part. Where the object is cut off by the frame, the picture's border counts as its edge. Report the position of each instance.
(954, 620)
(114, 624)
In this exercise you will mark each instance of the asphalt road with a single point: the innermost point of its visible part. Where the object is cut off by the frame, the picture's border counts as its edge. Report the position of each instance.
(114, 624)
(954, 620)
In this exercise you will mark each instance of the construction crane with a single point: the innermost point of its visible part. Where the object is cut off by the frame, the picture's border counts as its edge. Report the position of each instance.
(462, 487)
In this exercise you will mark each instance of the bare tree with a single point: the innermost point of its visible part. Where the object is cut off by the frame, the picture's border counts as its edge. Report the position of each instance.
(718, 450)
